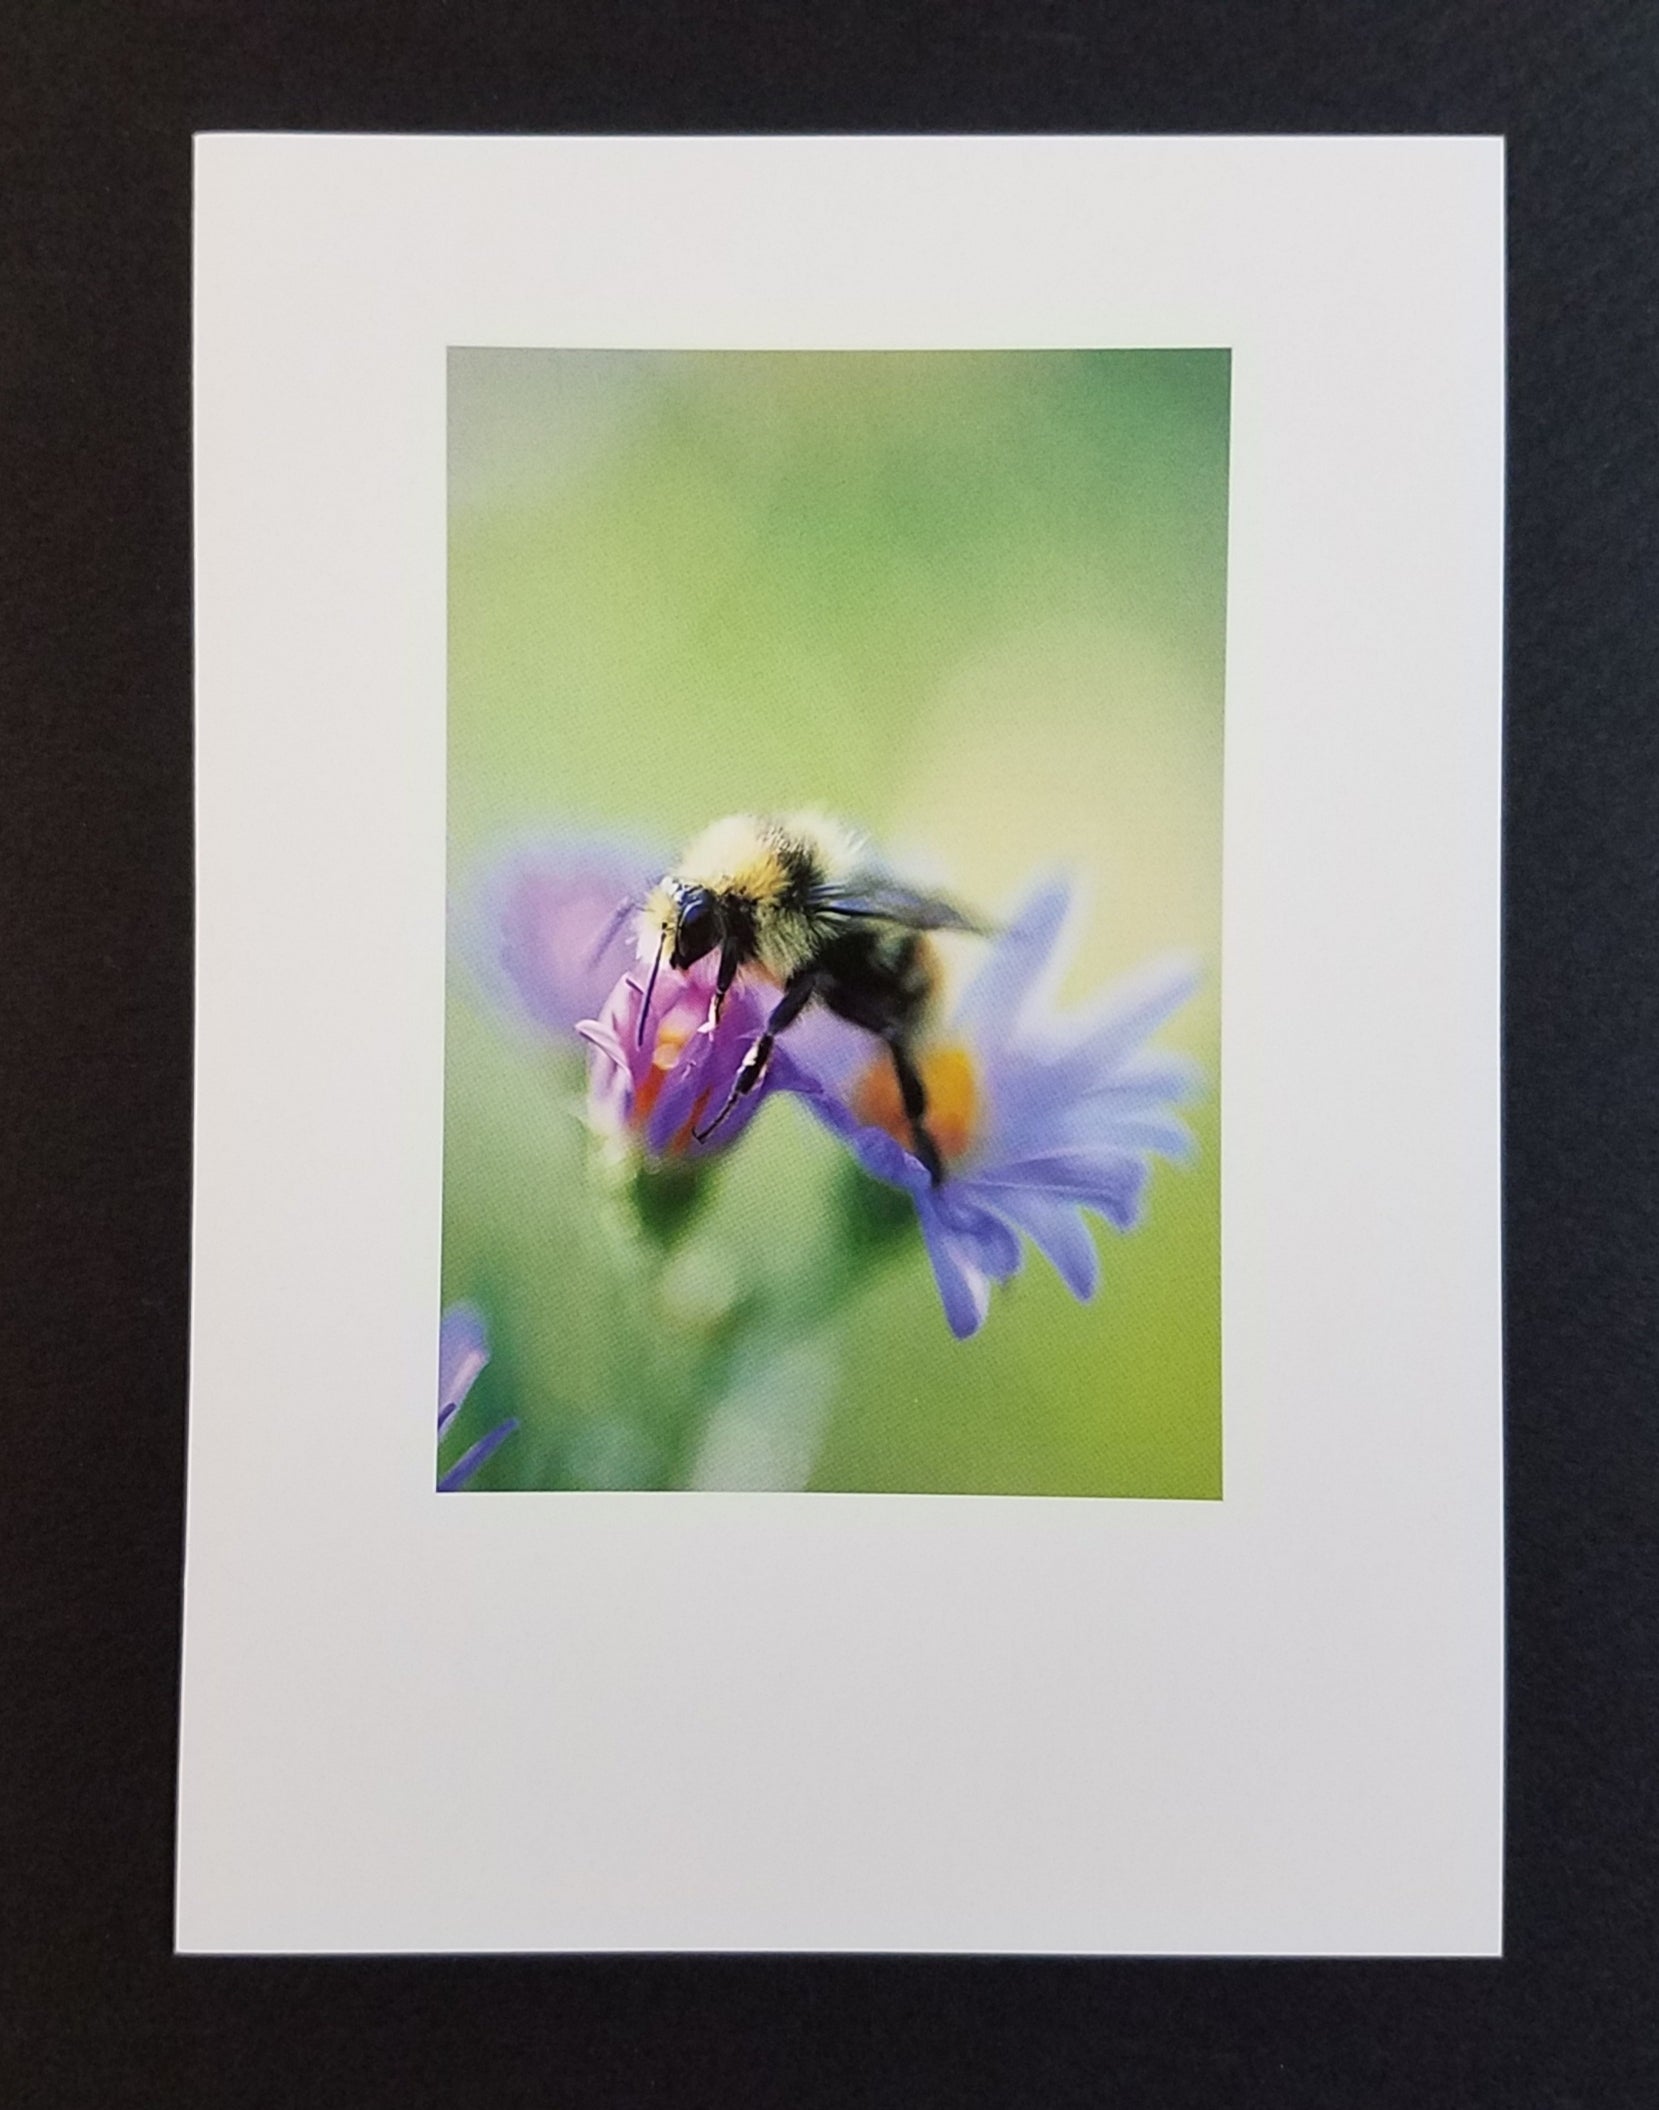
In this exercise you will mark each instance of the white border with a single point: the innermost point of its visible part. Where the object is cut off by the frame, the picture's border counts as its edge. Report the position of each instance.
(1269, 1725)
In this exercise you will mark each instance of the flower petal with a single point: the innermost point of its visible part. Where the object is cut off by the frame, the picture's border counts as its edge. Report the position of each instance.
(599, 1035)
(1108, 1181)
(546, 931)
(994, 1248)
(993, 1001)
(874, 1148)
(831, 1049)
(1041, 1104)
(964, 1289)
(1161, 1133)
(463, 1350)
(469, 1461)
(1133, 1010)
(676, 1102)
(1096, 1125)
(1156, 1074)
(1059, 1232)
(1062, 1083)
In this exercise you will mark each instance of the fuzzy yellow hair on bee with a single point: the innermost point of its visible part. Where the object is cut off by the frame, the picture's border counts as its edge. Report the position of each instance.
(765, 875)
(801, 902)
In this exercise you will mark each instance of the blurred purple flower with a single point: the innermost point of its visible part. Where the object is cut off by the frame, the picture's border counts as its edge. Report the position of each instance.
(547, 937)
(463, 1350)
(658, 1091)
(1037, 1119)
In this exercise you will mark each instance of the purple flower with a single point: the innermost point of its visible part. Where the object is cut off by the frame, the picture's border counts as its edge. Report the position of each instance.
(1038, 1119)
(659, 1090)
(463, 1350)
(548, 934)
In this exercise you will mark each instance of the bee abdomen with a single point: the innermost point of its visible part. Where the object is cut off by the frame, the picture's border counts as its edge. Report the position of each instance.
(880, 979)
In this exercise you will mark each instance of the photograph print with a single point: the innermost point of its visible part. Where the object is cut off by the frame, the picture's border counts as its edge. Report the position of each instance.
(832, 1064)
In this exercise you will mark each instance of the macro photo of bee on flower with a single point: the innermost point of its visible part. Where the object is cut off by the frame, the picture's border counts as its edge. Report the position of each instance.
(832, 1060)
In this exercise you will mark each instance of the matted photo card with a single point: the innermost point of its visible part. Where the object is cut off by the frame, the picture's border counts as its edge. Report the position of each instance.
(847, 1223)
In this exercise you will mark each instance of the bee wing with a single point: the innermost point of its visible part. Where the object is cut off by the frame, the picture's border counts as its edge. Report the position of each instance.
(882, 900)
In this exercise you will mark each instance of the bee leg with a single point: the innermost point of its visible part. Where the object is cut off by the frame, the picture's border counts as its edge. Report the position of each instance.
(723, 980)
(914, 1095)
(796, 996)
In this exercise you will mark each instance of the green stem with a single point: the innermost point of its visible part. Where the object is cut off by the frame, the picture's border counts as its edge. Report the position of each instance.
(867, 1226)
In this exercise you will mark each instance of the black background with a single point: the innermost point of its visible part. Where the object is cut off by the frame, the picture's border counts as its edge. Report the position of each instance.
(97, 106)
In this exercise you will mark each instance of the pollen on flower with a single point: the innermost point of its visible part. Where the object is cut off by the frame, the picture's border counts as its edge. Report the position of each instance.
(671, 1037)
(953, 1100)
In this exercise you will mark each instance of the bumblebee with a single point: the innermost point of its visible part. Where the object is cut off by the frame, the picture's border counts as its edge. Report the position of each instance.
(800, 902)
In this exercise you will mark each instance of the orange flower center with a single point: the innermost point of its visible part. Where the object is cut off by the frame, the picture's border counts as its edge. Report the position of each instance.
(952, 1086)
(665, 1052)
(671, 1038)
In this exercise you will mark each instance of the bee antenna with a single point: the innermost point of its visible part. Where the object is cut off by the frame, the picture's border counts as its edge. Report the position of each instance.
(645, 1008)
(613, 924)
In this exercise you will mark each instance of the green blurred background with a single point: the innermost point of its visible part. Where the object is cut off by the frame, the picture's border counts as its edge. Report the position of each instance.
(972, 602)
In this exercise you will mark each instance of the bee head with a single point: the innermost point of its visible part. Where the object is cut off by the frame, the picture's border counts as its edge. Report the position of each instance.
(697, 925)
